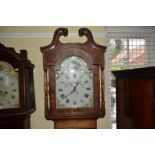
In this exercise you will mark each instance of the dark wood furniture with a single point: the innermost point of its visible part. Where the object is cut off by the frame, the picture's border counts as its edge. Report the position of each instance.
(16, 117)
(135, 98)
(53, 56)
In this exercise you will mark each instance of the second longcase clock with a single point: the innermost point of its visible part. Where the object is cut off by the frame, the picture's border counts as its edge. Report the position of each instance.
(17, 99)
(74, 81)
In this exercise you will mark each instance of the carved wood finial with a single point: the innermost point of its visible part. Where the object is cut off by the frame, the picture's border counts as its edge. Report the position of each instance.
(90, 40)
(86, 32)
(59, 32)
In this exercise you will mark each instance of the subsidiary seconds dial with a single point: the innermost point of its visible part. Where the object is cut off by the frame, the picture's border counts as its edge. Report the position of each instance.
(74, 84)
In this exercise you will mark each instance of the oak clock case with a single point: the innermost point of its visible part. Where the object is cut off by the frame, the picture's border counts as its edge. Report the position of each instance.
(74, 81)
(17, 100)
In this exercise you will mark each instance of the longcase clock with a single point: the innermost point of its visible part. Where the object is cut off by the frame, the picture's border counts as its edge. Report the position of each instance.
(17, 100)
(74, 81)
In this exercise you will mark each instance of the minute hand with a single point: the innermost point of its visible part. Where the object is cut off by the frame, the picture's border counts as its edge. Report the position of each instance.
(70, 92)
(74, 89)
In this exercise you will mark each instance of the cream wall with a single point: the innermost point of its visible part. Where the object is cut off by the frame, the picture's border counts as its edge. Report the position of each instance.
(31, 39)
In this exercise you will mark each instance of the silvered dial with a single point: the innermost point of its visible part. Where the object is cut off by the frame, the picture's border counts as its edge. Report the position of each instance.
(9, 89)
(74, 84)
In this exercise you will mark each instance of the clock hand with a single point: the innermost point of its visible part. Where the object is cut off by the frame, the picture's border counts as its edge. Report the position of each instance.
(70, 92)
(74, 89)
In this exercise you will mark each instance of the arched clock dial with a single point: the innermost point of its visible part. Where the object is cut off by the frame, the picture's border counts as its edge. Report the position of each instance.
(74, 84)
(9, 87)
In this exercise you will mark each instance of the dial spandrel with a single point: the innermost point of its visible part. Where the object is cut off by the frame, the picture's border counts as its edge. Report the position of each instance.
(9, 87)
(74, 84)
